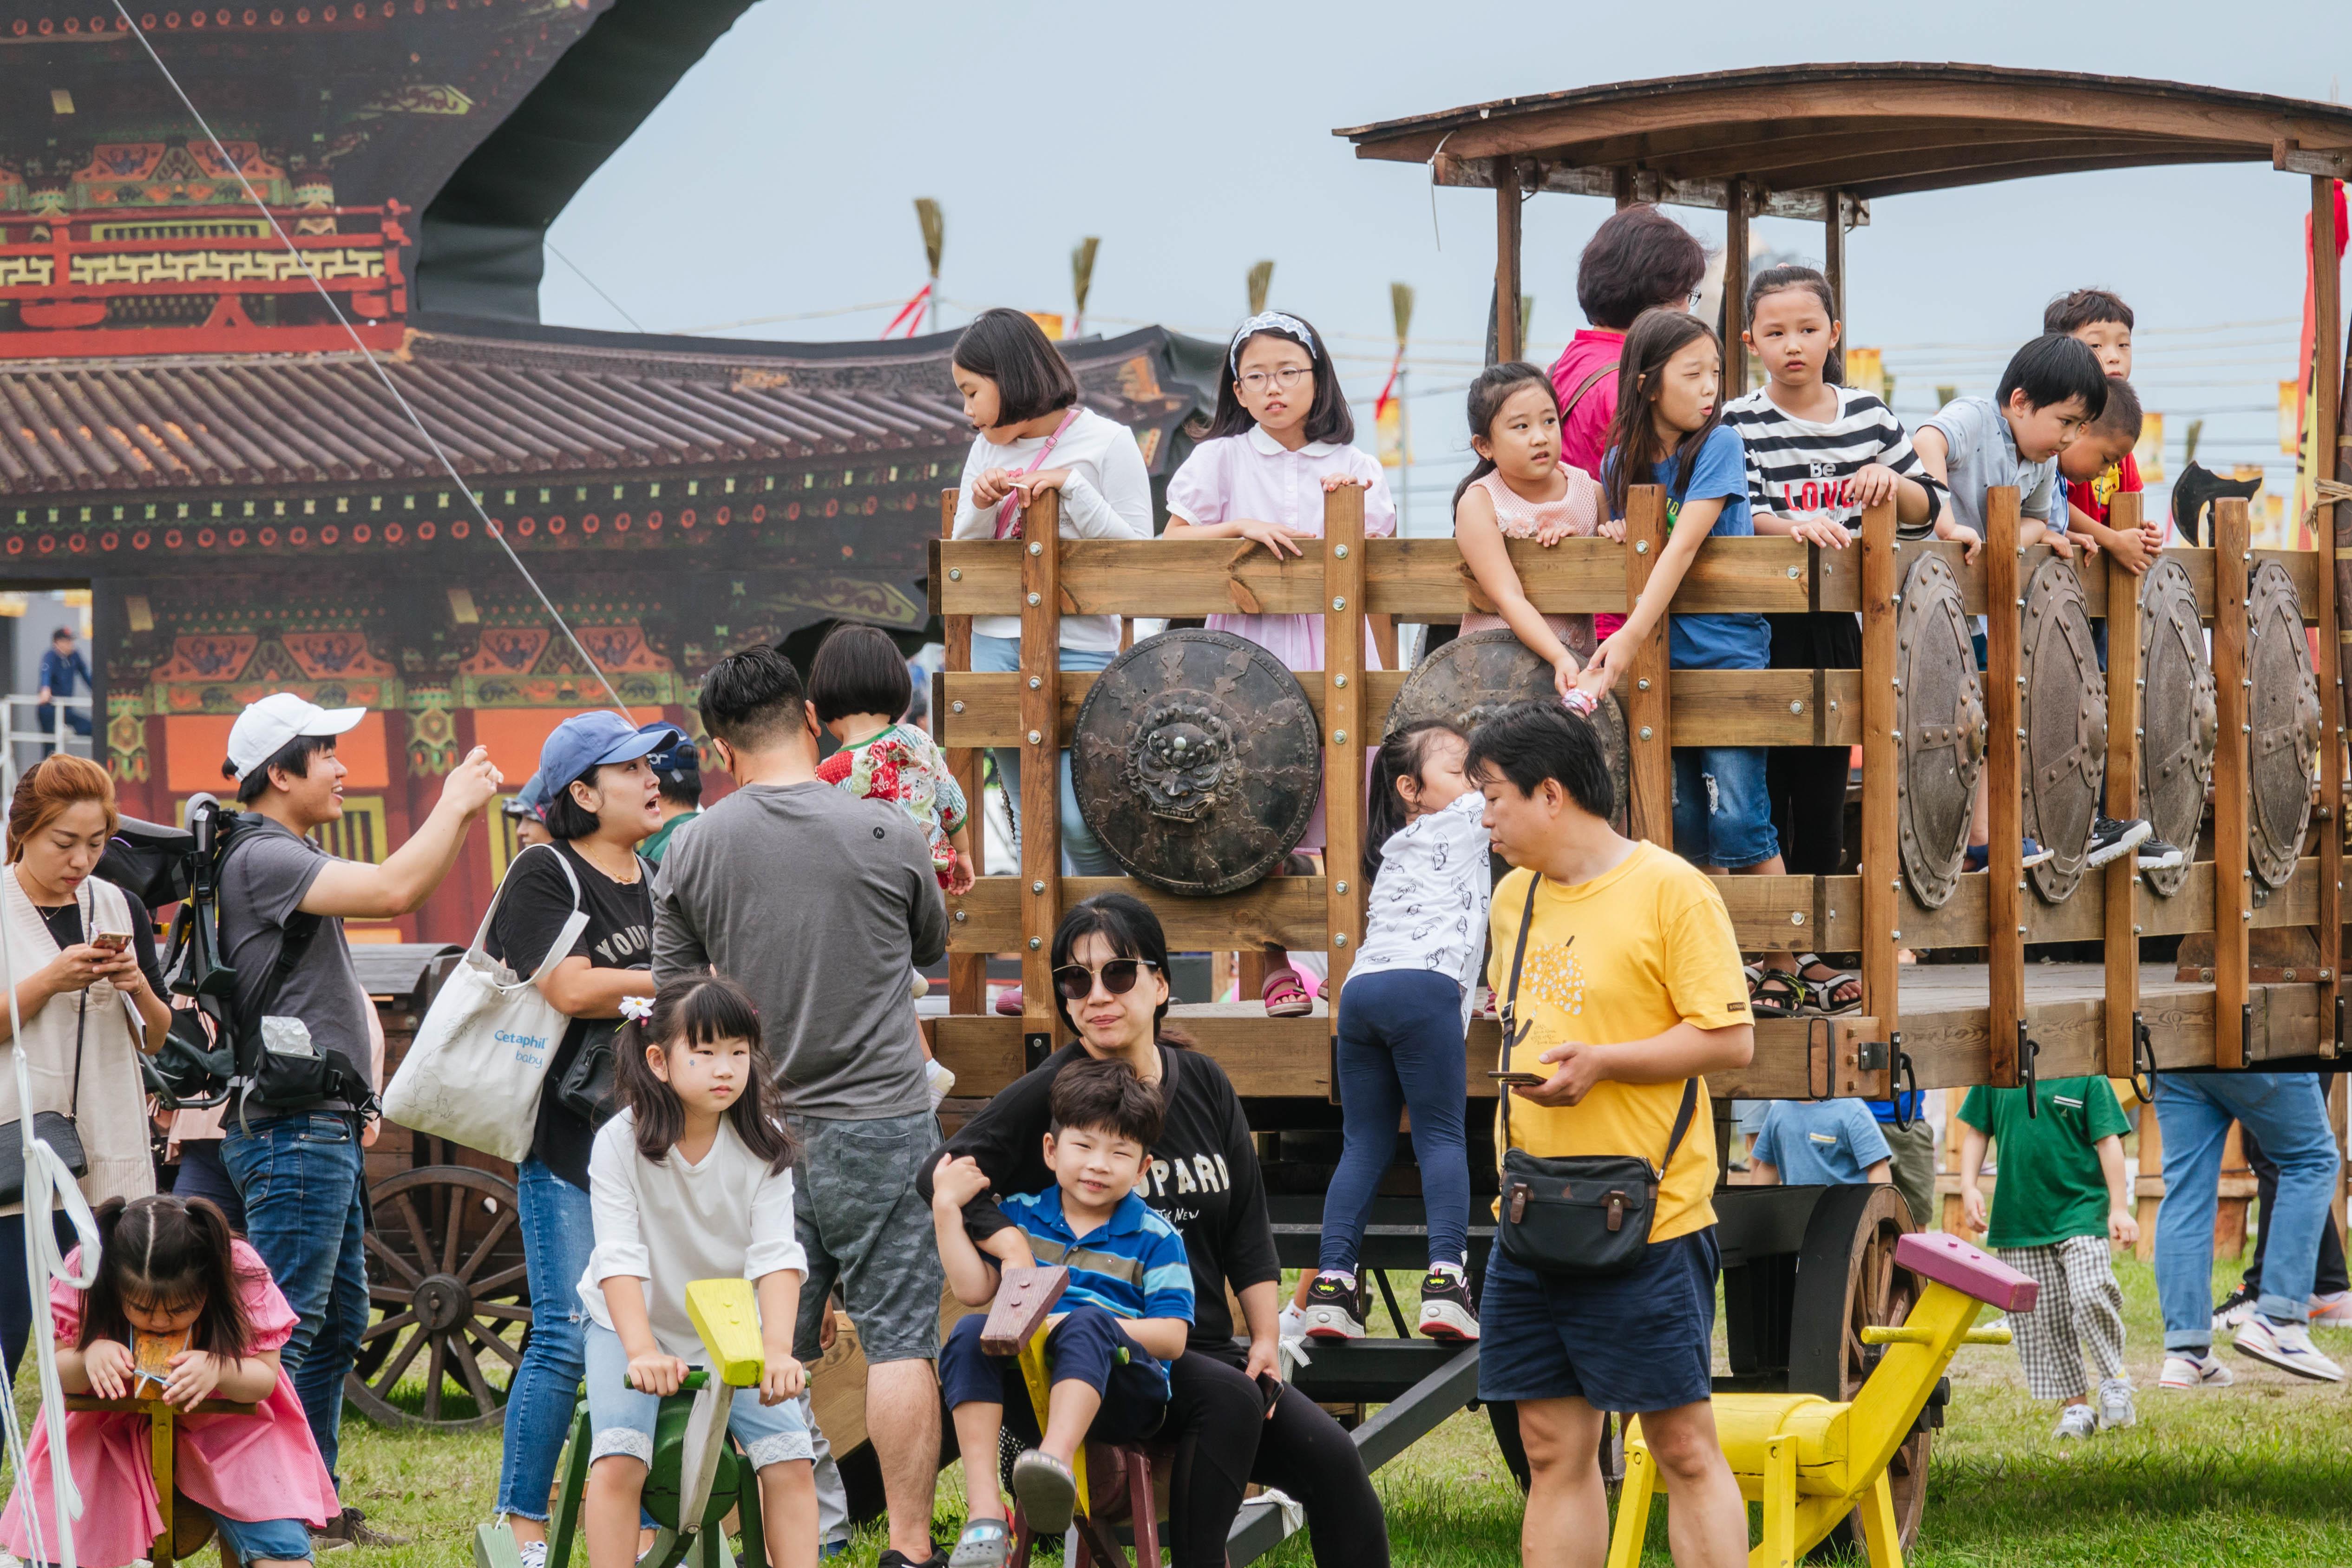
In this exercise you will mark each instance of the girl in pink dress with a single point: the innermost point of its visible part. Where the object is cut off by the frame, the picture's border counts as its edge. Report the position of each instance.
(1522, 489)
(1278, 442)
(173, 1269)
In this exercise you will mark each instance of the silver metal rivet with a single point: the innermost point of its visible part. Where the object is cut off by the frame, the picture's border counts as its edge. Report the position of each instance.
(1641, 547)
(1339, 552)
(1034, 944)
(960, 915)
(1793, 574)
(1339, 737)
(1035, 738)
(2020, 931)
(1036, 886)
(956, 706)
(1035, 599)
(1796, 917)
(1896, 735)
(1645, 731)
(1643, 684)
(1037, 549)
(1340, 681)
(1341, 888)
(1034, 682)
(1796, 707)
(1339, 938)
(1338, 603)
(1898, 936)
(955, 573)
(2135, 931)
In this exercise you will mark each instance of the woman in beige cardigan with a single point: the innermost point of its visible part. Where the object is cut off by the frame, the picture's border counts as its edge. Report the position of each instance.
(89, 994)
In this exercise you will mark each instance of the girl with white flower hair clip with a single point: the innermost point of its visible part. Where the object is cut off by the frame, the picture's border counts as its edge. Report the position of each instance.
(1279, 442)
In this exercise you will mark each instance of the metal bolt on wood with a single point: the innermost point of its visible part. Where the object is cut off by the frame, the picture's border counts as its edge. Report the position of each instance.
(1037, 549)
(1338, 603)
(1035, 739)
(1036, 886)
(1641, 547)
(955, 573)
(1035, 600)
(956, 706)
(1036, 682)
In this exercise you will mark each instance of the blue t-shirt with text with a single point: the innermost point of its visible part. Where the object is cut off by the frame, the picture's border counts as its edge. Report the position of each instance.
(1820, 1142)
(1718, 473)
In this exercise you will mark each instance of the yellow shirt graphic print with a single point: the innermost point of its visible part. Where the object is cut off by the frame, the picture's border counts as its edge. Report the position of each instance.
(1625, 956)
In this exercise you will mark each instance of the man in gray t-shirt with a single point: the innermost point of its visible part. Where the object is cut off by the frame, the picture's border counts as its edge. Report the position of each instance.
(297, 1163)
(820, 904)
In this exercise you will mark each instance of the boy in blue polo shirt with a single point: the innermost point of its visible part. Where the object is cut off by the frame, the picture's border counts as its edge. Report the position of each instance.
(1127, 1310)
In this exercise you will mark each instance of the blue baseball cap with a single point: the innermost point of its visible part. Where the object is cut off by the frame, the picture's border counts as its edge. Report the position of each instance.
(591, 740)
(674, 756)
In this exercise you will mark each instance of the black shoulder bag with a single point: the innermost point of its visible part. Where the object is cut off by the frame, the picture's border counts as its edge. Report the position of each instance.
(1581, 1215)
(588, 1089)
(294, 1074)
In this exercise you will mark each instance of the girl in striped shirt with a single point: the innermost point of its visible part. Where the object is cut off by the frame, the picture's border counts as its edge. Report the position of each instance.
(1818, 453)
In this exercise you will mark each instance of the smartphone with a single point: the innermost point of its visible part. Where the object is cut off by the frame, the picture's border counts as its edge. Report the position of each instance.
(1518, 1079)
(1269, 1391)
(111, 941)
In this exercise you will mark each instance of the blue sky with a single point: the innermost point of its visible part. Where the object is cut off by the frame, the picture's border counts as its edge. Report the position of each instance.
(779, 180)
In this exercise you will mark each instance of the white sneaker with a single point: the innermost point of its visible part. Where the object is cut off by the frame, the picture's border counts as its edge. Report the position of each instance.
(2076, 1421)
(2195, 1372)
(2332, 1312)
(2116, 1403)
(2286, 1346)
(534, 1555)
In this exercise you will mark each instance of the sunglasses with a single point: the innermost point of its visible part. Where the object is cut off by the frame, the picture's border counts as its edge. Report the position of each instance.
(1075, 981)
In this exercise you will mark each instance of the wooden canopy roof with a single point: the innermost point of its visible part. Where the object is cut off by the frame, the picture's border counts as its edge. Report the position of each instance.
(1793, 132)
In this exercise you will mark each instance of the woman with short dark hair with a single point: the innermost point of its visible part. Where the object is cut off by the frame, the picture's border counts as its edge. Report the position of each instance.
(1110, 981)
(601, 801)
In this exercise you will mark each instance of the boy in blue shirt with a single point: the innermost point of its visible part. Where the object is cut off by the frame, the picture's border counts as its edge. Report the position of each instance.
(1127, 1312)
(1820, 1143)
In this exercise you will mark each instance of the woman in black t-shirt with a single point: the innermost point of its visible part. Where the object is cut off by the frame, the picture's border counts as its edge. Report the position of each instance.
(1204, 1179)
(606, 807)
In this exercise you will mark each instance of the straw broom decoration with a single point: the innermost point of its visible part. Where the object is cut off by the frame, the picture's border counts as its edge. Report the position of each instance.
(935, 244)
(1082, 278)
(1261, 281)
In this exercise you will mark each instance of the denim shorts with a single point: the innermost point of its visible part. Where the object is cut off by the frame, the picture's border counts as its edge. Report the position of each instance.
(1722, 810)
(1635, 1342)
(622, 1419)
(280, 1539)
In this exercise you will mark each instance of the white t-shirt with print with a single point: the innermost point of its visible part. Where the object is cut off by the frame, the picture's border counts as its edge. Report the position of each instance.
(1427, 908)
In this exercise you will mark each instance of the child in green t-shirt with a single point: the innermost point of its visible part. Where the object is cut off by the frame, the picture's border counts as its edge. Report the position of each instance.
(2062, 1198)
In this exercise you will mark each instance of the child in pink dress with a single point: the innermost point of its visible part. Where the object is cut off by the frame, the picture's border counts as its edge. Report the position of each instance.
(1278, 442)
(1522, 489)
(173, 1269)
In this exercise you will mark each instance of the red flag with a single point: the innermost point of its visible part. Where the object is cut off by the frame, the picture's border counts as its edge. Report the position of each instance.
(909, 316)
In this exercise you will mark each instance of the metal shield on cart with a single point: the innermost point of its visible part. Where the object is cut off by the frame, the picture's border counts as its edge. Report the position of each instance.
(2177, 723)
(1197, 760)
(2283, 709)
(1478, 675)
(1940, 717)
(2063, 701)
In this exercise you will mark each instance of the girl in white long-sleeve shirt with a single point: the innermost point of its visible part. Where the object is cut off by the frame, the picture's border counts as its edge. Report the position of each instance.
(1034, 435)
(691, 1181)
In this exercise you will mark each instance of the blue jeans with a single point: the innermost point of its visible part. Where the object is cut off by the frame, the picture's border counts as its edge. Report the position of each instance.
(559, 1232)
(305, 1188)
(1723, 806)
(1080, 847)
(202, 1175)
(274, 1540)
(1400, 1045)
(621, 1420)
(2194, 1110)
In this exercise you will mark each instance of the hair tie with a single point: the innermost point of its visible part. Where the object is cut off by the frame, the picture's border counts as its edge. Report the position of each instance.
(1270, 321)
(638, 1009)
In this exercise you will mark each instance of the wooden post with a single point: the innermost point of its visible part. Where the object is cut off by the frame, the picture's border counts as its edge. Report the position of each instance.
(1833, 203)
(1651, 812)
(2233, 873)
(1622, 186)
(2327, 327)
(1882, 876)
(2120, 934)
(2004, 775)
(967, 971)
(1041, 767)
(2148, 1195)
(1346, 717)
(1734, 290)
(1506, 259)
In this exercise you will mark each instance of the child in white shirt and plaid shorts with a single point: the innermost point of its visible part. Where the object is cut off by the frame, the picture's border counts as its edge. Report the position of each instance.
(2062, 1200)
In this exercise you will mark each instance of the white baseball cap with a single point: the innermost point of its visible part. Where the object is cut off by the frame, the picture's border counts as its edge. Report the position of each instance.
(263, 730)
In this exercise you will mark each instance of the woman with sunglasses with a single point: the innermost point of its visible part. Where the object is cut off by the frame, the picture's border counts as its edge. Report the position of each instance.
(1232, 1419)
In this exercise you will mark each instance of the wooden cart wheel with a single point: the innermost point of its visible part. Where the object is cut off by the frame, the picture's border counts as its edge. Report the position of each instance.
(446, 1270)
(1846, 1279)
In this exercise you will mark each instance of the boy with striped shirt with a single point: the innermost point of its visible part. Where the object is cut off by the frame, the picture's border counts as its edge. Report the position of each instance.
(1127, 1311)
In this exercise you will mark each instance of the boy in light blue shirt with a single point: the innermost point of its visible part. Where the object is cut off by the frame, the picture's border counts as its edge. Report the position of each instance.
(1826, 1142)
(2051, 390)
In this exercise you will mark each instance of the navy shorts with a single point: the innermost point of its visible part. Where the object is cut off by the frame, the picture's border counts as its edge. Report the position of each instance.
(1087, 1346)
(1635, 1342)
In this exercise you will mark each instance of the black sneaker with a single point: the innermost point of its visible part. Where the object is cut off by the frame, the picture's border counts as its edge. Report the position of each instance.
(2155, 855)
(1446, 1311)
(1335, 1311)
(894, 1558)
(2233, 1309)
(350, 1528)
(2110, 839)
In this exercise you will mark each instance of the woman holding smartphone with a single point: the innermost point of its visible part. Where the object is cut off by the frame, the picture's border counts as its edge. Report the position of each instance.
(89, 997)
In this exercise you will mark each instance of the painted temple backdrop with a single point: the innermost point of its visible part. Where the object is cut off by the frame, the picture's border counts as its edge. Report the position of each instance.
(189, 433)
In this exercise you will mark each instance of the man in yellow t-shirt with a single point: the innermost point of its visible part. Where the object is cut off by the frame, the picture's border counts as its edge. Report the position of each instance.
(1630, 988)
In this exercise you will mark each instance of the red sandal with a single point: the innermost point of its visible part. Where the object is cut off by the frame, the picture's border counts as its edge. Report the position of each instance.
(1285, 994)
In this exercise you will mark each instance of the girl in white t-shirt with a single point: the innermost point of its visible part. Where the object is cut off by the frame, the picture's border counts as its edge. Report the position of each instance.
(1403, 1013)
(1035, 435)
(693, 1180)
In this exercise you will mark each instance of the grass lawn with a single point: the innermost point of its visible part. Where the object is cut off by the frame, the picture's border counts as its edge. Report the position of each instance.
(2253, 1476)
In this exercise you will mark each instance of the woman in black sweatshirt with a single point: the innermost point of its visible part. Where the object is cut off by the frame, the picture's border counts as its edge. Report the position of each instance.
(1204, 1179)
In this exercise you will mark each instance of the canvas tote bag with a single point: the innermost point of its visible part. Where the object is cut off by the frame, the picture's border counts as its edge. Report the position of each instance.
(479, 1060)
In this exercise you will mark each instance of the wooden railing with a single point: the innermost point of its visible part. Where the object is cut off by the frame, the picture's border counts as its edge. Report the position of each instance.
(1344, 578)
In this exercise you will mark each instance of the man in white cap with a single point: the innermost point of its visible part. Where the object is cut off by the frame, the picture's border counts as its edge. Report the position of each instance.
(293, 1147)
